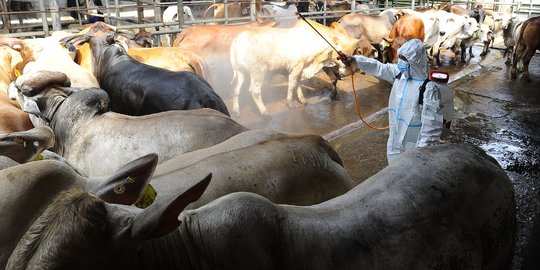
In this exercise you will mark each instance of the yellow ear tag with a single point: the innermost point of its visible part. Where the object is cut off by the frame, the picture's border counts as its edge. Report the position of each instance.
(38, 157)
(17, 72)
(147, 198)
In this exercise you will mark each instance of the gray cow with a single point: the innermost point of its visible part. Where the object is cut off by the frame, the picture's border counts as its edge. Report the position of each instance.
(285, 168)
(440, 207)
(98, 141)
(26, 190)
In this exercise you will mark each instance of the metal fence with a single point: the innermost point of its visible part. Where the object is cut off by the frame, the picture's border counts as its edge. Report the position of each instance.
(53, 15)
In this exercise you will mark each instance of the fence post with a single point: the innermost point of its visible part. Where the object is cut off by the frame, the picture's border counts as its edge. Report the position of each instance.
(6, 22)
(252, 10)
(44, 18)
(55, 15)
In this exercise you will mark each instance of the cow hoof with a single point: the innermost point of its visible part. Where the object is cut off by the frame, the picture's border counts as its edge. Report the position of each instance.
(334, 97)
(513, 75)
(483, 53)
(293, 105)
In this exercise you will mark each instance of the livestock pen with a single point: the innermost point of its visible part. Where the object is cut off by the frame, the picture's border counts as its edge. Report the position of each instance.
(38, 18)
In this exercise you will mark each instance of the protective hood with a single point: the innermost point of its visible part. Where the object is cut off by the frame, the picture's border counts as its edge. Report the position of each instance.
(415, 53)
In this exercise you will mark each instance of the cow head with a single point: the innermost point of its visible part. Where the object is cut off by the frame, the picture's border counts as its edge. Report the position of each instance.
(506, 20)
(16, 55)
(81, 230)
(30, 90)
(389, 47)
(456, 27)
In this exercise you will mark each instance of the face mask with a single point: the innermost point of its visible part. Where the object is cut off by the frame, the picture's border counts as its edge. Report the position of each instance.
(403, 66)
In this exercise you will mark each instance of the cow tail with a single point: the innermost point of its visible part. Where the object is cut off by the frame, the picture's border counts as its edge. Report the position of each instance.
(211, 7)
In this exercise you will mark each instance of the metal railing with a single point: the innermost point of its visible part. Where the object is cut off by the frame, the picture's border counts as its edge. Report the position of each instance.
(148, 14)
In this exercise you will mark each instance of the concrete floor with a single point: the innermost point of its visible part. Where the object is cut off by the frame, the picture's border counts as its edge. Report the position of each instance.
(493, 112)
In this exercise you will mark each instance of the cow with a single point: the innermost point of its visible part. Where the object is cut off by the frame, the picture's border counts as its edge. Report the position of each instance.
(511, 25)
(409, 26)
(201, 39)
(478, 12)
(170, 14)
(483, 35)
(87, 133)
(50, 55)
(526, 46)
(27, 189)
(139, 89)
(446, 207)
(14, 55)
(453, 28)
(296, 60)
(299, 169)
(487, 37)
(431, 27)
(171, 58)
(233, 10)
(373, 27)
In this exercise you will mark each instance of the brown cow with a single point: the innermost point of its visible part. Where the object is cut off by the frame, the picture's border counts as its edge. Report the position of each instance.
(478, 12)
(171, 58)
(408, 27)
(373, 27)
(527, 45)
(14, 55)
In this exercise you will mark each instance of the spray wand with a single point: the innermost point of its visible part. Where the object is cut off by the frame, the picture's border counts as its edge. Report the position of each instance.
(345, 59)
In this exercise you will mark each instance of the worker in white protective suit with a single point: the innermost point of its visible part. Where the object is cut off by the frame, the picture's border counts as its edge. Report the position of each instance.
(413, 122)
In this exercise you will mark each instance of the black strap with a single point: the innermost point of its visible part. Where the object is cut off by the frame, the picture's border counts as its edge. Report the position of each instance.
(421, 92)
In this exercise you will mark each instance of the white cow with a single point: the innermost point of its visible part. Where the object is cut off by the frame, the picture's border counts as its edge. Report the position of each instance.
(50, 55)
(453, 28)
(171, 15)
(511, 27)
(298, 52)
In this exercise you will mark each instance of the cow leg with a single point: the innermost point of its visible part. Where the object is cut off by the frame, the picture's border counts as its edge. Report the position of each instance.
(508, 54)
(486, 48)
(526, 58)
(470, 52)
(515, 58)
(463, 53)
(331, 72)
(294, 84)
(255, 87)
(239, 78)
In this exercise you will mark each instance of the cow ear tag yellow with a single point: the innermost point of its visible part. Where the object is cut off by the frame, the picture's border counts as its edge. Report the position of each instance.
(147, 198)
(17, 72)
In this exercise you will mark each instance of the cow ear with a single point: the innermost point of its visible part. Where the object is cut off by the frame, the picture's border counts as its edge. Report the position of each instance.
(26, 145)
(128, 183)
(161, 217)
(386, 42)
(30, 106)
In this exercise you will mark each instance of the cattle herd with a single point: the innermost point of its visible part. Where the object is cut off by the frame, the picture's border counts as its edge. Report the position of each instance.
(92, 121)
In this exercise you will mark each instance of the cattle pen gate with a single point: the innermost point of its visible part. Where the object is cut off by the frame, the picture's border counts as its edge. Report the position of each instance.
(38, 18)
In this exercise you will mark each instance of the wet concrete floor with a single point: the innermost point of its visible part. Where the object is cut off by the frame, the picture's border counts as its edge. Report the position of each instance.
(499, 115)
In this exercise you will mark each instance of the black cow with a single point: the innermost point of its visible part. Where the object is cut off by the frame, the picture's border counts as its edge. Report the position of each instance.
(139, 89)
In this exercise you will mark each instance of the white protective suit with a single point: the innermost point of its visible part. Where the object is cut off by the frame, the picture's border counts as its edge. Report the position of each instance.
(411, 124)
